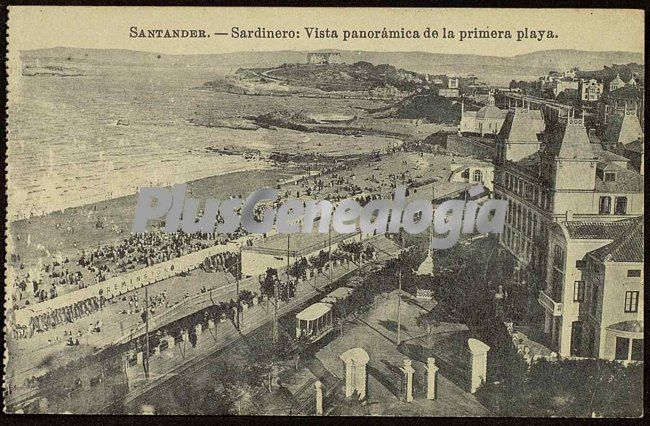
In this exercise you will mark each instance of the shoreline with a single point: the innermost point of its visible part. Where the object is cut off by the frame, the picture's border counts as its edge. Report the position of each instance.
(74, 229)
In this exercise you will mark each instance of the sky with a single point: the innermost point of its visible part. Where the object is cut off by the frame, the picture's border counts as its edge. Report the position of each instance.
(33, 27)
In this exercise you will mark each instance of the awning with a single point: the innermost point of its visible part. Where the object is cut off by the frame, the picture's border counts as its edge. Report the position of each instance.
(633, 329)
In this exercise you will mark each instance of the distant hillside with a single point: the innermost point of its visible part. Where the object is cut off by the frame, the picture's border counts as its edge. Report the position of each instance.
(565, 59)
(425, 104)
(624, 71)
(490, 68)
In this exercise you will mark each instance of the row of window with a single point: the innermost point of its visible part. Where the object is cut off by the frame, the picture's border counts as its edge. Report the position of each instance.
(557, 273)
(517, 243)
(631, 297)
(605, 205)
(528, 191)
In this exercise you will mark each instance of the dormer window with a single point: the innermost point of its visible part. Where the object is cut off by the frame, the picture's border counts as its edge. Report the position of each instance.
(609, 177)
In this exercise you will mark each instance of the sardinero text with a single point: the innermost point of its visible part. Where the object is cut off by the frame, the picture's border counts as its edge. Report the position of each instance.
(379, 216)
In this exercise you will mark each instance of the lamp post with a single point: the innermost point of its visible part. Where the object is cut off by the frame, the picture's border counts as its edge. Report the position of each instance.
(399, 291)
(146, 325)
(237, 269)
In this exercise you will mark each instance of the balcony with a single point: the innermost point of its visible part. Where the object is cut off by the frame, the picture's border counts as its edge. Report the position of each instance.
(549, 304)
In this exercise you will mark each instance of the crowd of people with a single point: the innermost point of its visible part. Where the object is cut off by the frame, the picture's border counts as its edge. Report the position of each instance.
(220, 262)
(49, 320)
(142, 250)
(97, 265)
(154, 301)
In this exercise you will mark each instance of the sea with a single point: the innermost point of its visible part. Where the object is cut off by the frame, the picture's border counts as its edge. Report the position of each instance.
(79, 139)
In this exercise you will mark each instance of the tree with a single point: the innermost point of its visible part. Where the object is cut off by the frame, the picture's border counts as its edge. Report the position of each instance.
(425, 319)
(301, 347)
(319, 261)
(267, 286)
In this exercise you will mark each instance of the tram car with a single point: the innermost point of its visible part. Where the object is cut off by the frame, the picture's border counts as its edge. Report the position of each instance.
(317, 320)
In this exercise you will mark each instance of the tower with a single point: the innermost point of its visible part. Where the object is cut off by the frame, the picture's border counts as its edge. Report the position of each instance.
(568, 164)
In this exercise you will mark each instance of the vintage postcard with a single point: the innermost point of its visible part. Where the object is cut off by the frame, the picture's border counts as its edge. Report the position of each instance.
(324, 211)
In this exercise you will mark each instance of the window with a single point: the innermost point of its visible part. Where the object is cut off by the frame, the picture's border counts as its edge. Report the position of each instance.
(604, 206)
(631, 301)
(478, 176)
(558, 258)
(633, 273)
(509, 212)
(621, 205)
(609, 176)
(622, 348)
(581, 264)
(578, 291)
(557, 278)
(594, 299)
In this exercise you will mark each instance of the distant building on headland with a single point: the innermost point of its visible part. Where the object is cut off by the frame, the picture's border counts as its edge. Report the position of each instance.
(445, 86)
(323, 58)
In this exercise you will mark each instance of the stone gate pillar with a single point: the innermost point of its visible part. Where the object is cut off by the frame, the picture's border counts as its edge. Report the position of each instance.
(432, 373)
(349, 379)
(408, 371)
(478, 363)
(319, 397)
(355, 361)
(171, 342)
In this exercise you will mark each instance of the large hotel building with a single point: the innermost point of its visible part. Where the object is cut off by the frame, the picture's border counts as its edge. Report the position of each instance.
(556, 178)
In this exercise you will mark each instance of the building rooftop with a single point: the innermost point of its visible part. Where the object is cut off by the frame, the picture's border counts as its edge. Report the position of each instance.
(521, 125)
(626, 181)
(623, 129)
(530, 163)
(617, 81)
(491, 112)
(624, 93)
(636, 146)
(609, 156)
(627, 247)
(598, 230)
(569, 141)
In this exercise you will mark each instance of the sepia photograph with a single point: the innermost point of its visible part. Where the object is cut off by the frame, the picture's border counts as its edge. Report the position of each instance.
(282, 211)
